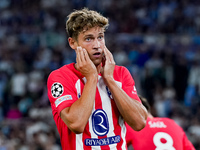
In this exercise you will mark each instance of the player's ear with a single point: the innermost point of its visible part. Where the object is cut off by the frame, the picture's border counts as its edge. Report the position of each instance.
(72, 43)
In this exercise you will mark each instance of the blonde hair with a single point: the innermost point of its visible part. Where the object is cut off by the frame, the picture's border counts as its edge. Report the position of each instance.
(84, 19)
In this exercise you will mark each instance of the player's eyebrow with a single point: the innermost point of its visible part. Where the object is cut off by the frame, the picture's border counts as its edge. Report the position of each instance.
(88, 35)
(91, 35)
(101, 33)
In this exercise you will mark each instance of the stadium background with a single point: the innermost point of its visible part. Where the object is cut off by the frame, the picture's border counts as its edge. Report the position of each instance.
(157, 40)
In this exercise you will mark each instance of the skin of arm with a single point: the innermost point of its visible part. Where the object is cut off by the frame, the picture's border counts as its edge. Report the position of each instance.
(133, 112)
(76, 116)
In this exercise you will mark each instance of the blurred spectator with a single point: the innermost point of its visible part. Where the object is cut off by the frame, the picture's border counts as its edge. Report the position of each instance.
(18, 82)
(180, 77)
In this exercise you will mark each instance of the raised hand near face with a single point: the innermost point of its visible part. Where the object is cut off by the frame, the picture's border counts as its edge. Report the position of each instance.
(84, 64)
(108, 65)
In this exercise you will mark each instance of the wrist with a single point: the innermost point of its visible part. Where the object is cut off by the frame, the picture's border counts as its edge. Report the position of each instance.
(92, 78)
(109, 79)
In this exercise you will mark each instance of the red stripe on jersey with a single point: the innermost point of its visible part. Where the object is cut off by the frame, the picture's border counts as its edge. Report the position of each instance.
(72, 140)
(86, 136)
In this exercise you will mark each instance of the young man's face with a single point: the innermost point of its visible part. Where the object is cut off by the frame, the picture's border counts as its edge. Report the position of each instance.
(93, 41)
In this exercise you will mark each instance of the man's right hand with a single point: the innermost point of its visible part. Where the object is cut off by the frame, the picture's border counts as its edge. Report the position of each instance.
(84, 63)
(76, 116)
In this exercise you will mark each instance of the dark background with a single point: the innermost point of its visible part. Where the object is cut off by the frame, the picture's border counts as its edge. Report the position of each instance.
(157, 40)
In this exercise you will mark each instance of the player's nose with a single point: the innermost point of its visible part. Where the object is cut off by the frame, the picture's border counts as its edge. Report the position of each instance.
(96, 43)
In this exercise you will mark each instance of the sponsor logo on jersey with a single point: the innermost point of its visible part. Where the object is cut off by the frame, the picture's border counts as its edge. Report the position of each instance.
(104, 141)
(57, 90)
(100, 127)
(63, 98)
(100, 122)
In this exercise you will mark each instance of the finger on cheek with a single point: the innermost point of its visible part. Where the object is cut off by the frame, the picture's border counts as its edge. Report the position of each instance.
(105, 51)
(84, 51)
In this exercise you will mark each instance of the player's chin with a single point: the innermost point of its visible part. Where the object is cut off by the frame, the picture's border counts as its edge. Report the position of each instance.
(97, 61)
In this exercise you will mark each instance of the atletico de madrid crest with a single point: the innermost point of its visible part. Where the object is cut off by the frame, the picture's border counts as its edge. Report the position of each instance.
(57, 90)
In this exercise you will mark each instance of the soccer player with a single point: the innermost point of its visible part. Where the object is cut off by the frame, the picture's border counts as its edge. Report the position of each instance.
(92, 98)
(158, 134)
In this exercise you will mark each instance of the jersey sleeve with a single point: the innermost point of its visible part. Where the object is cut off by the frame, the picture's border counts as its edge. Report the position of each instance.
(129, 84)
(61, 91)
(187, 145)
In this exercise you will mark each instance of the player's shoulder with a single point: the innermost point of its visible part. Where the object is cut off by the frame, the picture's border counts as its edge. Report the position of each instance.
(117, 67)
(65, 70)
(121, 69)
(163, 119)
(168, 119)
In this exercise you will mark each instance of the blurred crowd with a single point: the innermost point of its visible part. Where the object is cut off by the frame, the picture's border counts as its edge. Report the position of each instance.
(157, 40)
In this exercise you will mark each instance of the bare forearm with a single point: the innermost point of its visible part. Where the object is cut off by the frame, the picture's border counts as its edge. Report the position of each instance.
(76, 116)
(132, 111)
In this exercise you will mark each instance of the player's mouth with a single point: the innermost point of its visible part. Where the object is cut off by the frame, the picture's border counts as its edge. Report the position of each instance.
(97, 55)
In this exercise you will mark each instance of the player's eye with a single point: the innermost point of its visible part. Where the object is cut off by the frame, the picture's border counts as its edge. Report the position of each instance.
(88, 39)
(100, 37)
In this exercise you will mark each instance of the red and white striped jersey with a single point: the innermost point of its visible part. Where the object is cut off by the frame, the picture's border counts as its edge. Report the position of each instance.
(106, 128)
